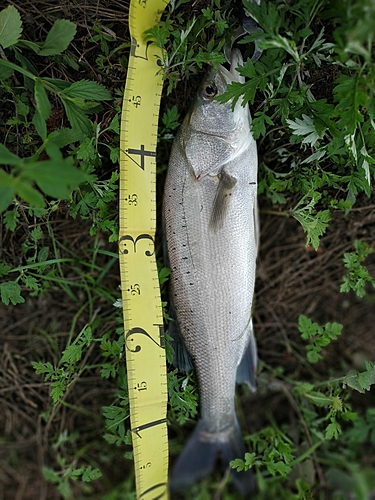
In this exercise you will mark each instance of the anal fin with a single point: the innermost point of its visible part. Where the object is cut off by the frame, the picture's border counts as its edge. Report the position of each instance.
(246, 370)
(181, 357)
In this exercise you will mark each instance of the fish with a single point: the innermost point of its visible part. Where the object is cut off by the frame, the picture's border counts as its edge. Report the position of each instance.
(211, 226)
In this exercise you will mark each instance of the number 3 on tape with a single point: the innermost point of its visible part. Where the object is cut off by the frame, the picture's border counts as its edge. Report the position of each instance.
(143, 319)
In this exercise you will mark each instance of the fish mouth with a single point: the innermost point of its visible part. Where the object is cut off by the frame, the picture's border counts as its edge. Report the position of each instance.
(232, 74)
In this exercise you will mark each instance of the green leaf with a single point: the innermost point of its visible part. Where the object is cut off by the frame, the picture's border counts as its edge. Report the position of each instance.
(307, 327)
(238, 464)
(81, 103)
(55, 177)
(170, 118)
(313, 225)
(87, 151)
(90, 474)
(361, 381)
(11, 292)
(258, 124)
(283, 43)
(5, 72)
(40, 124)
(41, 368)
(351, 380)
(358, 275)
(8, 158)
(351, 98)
(22, 108)
(333, 430)
(42, 103)
(367, 378)
(50, 475)
(115, 124)
(25, 191)
(30, 45)
(318, 398)
(62, 137)
(4, 269)
(90, 91)
(10, 219)
(333, 330)
(13, 66)
(164, 273)
(10, 26)
(36, 234)
(304, 127)
(108, 370)
(114, 154)
(7, 189)
(64, 488)
(58, 389)
(78, 120)
(115, 416)
(31, 282)
(318, 337)
(257, 81)
(278, 467)
(312, 355)
(43, 254)
(72, 354)
(58, 38)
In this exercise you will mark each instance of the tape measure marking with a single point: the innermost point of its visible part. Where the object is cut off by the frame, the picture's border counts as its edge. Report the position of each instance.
(143, 320)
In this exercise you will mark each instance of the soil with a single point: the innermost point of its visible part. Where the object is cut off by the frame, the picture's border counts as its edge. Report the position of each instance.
(291, 280)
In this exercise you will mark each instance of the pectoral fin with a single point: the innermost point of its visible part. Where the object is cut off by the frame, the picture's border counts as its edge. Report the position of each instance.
(222, 200)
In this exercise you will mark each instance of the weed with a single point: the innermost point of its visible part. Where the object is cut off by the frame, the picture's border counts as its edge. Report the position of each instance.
(358, 276)
(44, 163)
(334, 131)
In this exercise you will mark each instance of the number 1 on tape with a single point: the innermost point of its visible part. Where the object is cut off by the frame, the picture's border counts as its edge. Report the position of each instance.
(143, 319)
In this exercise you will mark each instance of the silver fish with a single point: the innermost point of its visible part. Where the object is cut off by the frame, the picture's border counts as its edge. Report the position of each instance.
(210, 217)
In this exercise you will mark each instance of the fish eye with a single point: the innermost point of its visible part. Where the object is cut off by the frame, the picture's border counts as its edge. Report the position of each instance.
(209, 90)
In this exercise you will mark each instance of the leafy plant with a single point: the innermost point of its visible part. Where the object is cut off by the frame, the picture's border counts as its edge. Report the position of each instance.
(65, 374)
(57, 176)
(184, 56)
(53, 151)
(273, 450)
(337, 141)
(182, 398)
(318, 337)
(70, 473)
(357, 276)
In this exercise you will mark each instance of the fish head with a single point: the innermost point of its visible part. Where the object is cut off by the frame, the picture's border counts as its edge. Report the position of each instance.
(211, 117)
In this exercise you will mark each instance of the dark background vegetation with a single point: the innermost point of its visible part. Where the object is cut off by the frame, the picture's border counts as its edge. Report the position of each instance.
(292, 279)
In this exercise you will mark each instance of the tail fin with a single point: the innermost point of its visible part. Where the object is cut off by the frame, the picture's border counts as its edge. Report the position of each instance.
(199, 456)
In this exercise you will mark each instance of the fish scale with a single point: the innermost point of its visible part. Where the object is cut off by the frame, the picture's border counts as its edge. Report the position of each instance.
(210, 216)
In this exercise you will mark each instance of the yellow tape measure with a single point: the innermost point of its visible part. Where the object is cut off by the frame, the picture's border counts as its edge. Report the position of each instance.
(143, 319)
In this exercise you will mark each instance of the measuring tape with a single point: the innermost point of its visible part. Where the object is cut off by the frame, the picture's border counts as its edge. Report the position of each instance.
(143, 318)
